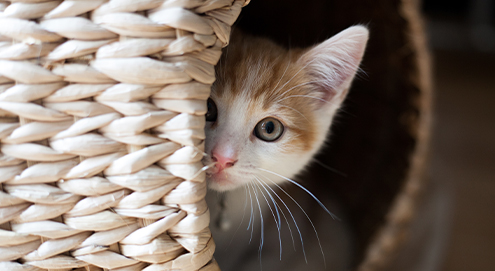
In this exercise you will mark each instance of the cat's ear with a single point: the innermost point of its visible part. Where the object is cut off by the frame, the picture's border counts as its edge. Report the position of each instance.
(333, 63)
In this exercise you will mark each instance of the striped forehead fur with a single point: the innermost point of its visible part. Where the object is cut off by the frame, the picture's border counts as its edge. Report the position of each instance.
(270, 79)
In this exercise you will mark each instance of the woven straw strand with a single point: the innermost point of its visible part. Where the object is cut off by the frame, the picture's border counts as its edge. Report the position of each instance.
(101, 129)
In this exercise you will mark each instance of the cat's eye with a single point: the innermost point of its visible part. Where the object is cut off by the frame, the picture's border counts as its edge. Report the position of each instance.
(269, 129)
(211, 114)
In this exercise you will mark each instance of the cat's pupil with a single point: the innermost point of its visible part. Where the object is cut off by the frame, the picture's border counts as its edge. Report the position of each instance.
(269, 127)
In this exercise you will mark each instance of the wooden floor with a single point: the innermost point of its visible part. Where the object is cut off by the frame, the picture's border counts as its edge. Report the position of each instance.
(463, 155)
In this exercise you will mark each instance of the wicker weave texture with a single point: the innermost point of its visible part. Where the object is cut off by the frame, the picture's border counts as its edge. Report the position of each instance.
(101, 128)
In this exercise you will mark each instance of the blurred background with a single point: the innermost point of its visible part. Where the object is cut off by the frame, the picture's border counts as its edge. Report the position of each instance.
(462, 36)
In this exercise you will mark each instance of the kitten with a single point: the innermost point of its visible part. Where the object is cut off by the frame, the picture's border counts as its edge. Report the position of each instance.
(270, 112)
(271, 109)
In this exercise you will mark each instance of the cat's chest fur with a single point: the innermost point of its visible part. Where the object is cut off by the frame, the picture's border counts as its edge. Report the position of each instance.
(239, 249)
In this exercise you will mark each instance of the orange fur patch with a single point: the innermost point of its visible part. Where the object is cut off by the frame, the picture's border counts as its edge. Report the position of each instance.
(270, 79)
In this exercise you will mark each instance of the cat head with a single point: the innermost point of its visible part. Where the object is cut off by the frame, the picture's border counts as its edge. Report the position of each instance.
(271, 109)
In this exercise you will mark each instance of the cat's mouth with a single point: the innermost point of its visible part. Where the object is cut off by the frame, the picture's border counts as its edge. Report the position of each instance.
(220, 181)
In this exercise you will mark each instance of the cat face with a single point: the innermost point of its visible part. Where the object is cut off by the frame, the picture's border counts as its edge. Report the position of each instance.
(271, 108)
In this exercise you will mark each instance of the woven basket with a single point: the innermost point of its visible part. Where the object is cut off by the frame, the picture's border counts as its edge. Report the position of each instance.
(101, 129)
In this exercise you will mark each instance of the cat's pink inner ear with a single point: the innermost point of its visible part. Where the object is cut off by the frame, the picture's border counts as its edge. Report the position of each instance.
(334, 62)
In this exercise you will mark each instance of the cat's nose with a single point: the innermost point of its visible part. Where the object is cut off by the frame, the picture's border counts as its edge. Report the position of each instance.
(223, 162)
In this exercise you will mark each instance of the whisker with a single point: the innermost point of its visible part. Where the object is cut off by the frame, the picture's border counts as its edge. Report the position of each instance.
(269, 206)
(198, 150)
(203, 169)
(251, 216)
(264, 185)
(330, 168)
(293, 219)
(309, 219)
(305, 190)
(262, 238)
(277, 207)
(273, 214)
(277, 220)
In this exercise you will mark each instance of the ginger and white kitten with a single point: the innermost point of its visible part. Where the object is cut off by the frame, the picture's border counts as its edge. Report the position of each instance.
(269, 113)
(271, 108)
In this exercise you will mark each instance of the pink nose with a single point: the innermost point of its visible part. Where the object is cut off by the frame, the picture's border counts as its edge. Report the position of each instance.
(223, 162)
